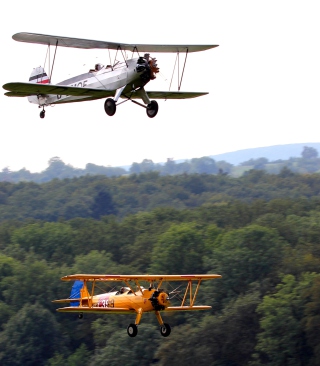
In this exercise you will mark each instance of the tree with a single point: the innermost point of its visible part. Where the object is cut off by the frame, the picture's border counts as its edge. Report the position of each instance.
(283, 340)
(178, 251)
(221, 340)
(123, 350)
(309, 152)
(311, 320)
(30, 337)
(103, 204)
(203, 165)
(242, 257)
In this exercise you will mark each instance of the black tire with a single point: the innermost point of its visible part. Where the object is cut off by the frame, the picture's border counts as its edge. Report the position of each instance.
(165, 330)
(152, 109)
(42, 114)
(80, 315)
(132, 330)
(110, 107)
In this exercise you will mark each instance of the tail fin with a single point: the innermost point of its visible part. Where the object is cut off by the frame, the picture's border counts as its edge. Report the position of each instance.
(39, 76)
(75, 292)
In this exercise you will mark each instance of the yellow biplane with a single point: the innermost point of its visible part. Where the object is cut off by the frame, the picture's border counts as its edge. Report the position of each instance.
(133, 298)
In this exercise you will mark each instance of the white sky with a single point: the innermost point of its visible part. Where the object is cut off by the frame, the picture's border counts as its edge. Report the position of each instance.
(263, 80)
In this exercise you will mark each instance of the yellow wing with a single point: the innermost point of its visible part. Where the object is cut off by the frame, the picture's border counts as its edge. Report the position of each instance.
(97, 310)
(147, 278)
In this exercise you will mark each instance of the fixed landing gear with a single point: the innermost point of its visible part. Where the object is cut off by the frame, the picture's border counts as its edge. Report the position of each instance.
(42, 113)
(80, 315)
(152, 109)
(165, 330)
(132, 330)
(110, 107)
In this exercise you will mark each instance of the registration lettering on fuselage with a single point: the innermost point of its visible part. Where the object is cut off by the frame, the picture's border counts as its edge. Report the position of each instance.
(80, 84)
(105, 303)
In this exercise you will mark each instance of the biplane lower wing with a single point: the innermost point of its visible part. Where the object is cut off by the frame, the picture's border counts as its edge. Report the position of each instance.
(28, 89)
(187, 308)
(167, 95)
(97, 310)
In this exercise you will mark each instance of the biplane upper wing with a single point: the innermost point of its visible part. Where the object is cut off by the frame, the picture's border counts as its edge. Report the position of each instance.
(27, 89)
(89, 44)
(147, 278)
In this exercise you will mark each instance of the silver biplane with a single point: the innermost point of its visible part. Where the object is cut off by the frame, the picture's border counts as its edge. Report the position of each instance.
(125, 79)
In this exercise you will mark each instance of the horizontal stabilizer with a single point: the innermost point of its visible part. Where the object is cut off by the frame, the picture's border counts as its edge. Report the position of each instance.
(46, 40)
(16, 94)
(65, 300)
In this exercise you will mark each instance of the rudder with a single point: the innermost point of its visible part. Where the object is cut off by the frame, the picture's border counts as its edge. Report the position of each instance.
(39, 76)
(75, 292)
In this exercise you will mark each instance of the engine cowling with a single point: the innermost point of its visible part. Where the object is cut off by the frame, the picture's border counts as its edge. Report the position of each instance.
(159, 300)
(148, 67)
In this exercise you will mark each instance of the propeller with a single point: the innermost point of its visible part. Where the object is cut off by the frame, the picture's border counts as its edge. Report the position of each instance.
(148, 67)
(154, 69)
(174, 292)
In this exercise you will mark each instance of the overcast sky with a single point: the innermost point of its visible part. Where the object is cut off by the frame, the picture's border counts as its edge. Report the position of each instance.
(263, 80)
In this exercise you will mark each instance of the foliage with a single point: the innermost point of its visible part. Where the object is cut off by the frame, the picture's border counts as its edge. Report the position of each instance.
(30, 337)
(57, 169)
(260, 231)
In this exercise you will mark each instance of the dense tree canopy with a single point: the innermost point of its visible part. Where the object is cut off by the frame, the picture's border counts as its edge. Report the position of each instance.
(260, 231)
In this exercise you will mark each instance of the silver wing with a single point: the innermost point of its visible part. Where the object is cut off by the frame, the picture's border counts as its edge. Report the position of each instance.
(89, 43)
(28, 89)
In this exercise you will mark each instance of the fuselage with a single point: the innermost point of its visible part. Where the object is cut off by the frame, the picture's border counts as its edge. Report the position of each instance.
(108, 78)
(146, 299)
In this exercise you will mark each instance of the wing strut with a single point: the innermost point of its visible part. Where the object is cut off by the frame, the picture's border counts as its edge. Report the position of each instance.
(174, 68)
(54, 58)
(119, 48)
(192, 296)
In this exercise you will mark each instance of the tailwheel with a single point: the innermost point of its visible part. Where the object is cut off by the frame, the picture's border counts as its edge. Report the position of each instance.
(110, 107)
(132, 330)
(152, 109)
(80, 315)
(42, 113)
(165, 330)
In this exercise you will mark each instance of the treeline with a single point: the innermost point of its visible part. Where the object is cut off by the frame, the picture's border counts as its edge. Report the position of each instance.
(260, 232)
(97, 196)
(308, 163)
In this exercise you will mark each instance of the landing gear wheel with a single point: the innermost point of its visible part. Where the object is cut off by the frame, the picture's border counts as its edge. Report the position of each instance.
(110, 107)
(42, 114)
(132, 330)
(165, 330)
(152, 109)
(80, 315)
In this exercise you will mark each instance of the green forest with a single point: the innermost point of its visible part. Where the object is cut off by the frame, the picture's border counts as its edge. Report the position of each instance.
(260, 231)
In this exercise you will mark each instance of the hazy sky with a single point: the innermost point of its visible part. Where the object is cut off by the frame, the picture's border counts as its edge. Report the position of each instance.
(263, 80)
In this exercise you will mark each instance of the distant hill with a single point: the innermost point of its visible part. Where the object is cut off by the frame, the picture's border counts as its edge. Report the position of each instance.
(272, 153)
